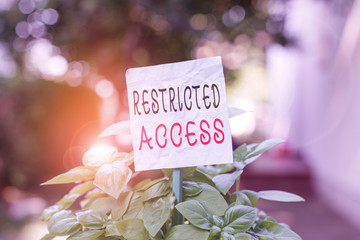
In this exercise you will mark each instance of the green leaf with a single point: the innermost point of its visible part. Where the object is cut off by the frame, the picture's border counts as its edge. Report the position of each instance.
(86, 235)
(112, 178)
(280, 196)
(157, 190)
(244, 197)
(217, 221)
(211, 199)
(225, 181)
(156, 213)
(226, 236)
(133, 229)
(103, 204)
(239, 156)
(188, 232)
(196, 213)
(121, 205)
(274, 231)
(135, 209)
(80, 173)
(122, 127)
(233, 112)
(48, 212)
(200, 176)
(147, 184)
(191, 189)
(188, 170)
(240, 218)
(243, 236)
(74, 194)
(214, 170)
(92, 219)
(215, 233)
(48, 237)
(61, 224)
(260, 148)
(112, 230)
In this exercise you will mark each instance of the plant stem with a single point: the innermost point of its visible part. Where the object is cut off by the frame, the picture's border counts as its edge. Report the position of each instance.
(238, 183)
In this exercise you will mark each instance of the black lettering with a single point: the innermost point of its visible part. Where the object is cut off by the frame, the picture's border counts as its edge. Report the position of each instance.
(136, 101)
(172, 98)
(206, 97)
(187, 107)
(196, 96)
(213, 87)
(155, 104)
(180, 103)
(162, 90)
(145, 102)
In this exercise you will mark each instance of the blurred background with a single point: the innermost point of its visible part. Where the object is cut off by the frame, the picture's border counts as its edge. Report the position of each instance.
(293, 65)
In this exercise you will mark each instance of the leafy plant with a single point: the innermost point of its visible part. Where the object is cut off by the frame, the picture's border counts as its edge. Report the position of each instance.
(111, 206)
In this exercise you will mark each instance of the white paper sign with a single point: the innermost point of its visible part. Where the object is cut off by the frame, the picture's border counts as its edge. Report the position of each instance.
(178, 114)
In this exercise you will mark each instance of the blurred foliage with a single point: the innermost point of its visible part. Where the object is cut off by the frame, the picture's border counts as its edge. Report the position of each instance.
(41, 113)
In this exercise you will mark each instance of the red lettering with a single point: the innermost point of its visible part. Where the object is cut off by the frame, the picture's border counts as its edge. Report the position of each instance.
(216, 135)
(202, 136)
(147, 140)
(187, 135)
(171, 134)
(156, 136)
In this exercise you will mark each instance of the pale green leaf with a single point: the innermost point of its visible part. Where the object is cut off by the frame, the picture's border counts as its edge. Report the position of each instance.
(103, 205)
(188, 232)
(211, 199)
(225, 181)
(122, 127)
(61, 224)
(74, 194)
(112, 230)
(156, 213)
(48, 237)
(142, 186)
(200, 176)
(240, 218)
(48, 212)
(80, 173)
(280, 196)
(86, 235)
(133, 229)
(135, 209)
(215, 233)
(112, 178)
(274, 231)
(245, 197)
(92, 219)
(121, 205)
(196, 213)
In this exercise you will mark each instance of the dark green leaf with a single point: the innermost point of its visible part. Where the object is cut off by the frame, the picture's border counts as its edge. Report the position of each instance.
(191, 189)
(156, 213)
(244, 197)
(215, 233)
(225, 181)
(211, 199)
(196, 213)
(133, 229)
(92, 219)
(274, 231)
(188, 232)
(200, 176)
(218, 221)
(240, 218)
(159, 189)
(280, 196)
